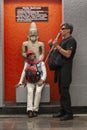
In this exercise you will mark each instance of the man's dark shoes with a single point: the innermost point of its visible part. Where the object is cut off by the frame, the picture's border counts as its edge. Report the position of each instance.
(58, 115)
(30, 114)
(35, 113)
(66, 117)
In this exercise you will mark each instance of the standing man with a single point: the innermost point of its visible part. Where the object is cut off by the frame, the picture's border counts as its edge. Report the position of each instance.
(63, 75)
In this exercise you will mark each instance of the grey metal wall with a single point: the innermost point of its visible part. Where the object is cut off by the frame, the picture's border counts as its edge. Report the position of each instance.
(75, 12)
(1, 53)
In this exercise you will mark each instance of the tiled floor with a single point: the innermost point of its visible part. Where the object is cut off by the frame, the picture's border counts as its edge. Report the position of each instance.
(42, 122)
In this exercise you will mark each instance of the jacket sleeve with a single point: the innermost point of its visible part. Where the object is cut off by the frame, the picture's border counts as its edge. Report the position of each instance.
(23, 74)
(44, 73)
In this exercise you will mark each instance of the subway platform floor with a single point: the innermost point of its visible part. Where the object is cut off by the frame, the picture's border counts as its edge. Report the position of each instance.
(13, 117)
(42, 122)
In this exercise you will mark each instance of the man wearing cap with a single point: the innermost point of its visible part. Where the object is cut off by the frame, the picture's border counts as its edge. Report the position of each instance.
(63, 75)
(33, 83)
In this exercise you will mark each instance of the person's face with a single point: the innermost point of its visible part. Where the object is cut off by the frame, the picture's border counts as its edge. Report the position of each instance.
(65, 31)
(31, 57)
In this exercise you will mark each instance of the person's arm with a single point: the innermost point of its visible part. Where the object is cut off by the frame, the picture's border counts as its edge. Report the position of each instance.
(22, 74)
(67, 53)
(44, 74)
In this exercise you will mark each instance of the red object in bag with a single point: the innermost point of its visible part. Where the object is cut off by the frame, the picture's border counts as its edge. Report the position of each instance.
(33, 73)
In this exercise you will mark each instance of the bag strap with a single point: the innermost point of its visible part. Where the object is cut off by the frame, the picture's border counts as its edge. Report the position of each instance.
(57, 37)
(34, 63)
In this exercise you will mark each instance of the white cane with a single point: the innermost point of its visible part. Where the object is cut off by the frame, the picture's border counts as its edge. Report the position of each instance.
(57, 37)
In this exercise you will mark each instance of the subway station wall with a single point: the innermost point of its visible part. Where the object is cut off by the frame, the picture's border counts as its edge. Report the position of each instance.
(15, 33)
(75, 13)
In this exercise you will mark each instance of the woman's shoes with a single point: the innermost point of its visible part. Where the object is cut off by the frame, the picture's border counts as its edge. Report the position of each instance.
(32, 114)
(35, 113)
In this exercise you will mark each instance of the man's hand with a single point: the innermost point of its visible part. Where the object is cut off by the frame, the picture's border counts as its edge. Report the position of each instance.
(50, 42)
(58, 47)
(55, 42)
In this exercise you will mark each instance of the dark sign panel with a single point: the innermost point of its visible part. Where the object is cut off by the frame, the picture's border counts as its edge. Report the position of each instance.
(31, 14)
